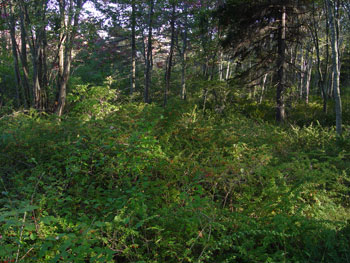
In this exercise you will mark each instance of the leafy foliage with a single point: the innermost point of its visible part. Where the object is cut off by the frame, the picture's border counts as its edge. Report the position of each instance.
(141, 183)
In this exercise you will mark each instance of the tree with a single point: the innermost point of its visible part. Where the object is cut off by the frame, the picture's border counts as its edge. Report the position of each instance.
(263, 32)
(133, 46)
(333, 8)
(69, 17)
(171, 51)
(148, 62)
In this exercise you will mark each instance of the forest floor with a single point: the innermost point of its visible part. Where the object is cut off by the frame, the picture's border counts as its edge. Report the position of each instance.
(152, 184)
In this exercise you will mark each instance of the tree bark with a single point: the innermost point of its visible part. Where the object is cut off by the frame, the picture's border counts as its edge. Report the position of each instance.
(171, 53)
(308, 76)
(35, 40)
(133, 47)
(24, 58)
(228, 70)
(149, 53)
(333, 24)
(281, 64)
(183, 55)
(12, 25)
(263, 84)
(66, 60)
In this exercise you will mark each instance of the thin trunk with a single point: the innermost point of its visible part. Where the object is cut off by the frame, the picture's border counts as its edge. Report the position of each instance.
(221, 67)
(302, 73)
(280, 109)
(326, 67)
(183, 55)
(61, 92)
(12, 25)
(36, 82)
(262, 88)
(171, 53)
(45, 78)
(308, 77)
(228, 70)
(24, 59)
(69, 35)
(35, 40)
(149, 54)
(133, 48)
(333, 24)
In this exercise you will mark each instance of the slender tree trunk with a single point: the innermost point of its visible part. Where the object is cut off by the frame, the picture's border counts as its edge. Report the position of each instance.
(308, 77)
(35, 40)
(228, 70)
(149, 53)
(302, 73)
(221, 67)
(333, 24)
(24, 58)
(171, 53)
(133, 47)
(183, 55)
(61, 92)
(36, 82)
(69, 35)
(262, 88)
(280, 109)
(12, 25)
(45, 78)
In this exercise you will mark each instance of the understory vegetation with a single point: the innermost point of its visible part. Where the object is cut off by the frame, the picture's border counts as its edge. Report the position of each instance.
(174, 131)
(142, 183)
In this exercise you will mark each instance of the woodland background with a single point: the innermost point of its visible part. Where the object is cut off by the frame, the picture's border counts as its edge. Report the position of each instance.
(174, 131)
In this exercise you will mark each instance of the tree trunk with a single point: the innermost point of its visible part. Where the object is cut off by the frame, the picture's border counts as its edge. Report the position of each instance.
(66, 51)
(335, 58)
(262, 88)
(133, 48)
(280, 109)
(302, 73)
(183, 55)
(12, 25)
(171, 53)
(221, 67)
(24, 59)
(35, 40)
(149, 53)
(308, 78)
(228, 70)
(36, 82)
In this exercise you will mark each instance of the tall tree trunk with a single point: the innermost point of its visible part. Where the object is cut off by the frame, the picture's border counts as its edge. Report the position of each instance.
(149, 53)
(35, 40)
(12, 25)
(263, 84)
(61, 92)
(171, 53)
(308, 76)
(183, 55)
(73, 15)
(36, 83)
(24, 58)
(302, 73)
(133, 47)
(221, 67)
(228, 70)
(333, 24)
(280, 109)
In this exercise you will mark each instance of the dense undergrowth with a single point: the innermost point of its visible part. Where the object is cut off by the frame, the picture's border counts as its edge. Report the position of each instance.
(149, 184)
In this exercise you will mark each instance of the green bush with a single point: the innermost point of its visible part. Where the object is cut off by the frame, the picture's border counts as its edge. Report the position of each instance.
(141, 183)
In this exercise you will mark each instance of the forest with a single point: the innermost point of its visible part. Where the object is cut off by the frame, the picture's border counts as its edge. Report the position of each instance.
(174, 131)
